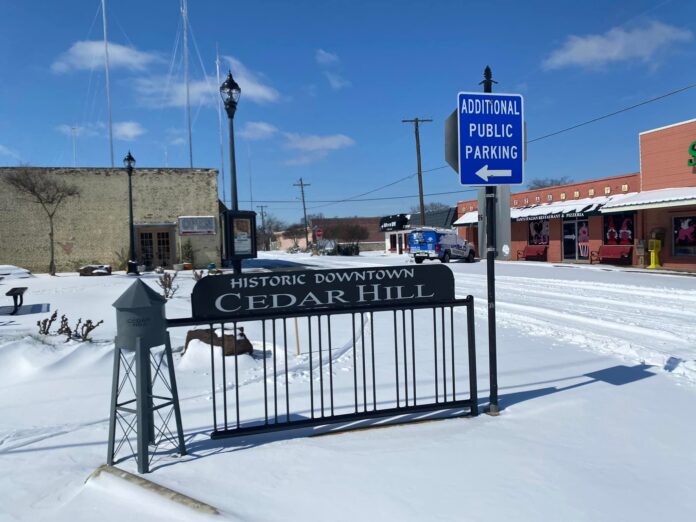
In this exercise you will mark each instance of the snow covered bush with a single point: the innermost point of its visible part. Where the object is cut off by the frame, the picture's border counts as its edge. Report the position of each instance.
(80, 332)
(166, 283)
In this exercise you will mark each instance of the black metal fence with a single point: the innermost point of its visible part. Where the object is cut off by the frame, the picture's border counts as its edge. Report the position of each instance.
(424, 360)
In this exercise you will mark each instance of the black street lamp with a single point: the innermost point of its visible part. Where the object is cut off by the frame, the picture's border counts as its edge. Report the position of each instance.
(230, 92)
(129, 162)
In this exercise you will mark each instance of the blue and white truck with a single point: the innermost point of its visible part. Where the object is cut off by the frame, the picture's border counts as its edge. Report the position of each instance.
(439, 244)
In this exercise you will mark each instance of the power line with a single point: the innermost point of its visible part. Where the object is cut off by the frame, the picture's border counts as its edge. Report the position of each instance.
(625, 109)
(567, 129)
(385, 198)
(354, 198)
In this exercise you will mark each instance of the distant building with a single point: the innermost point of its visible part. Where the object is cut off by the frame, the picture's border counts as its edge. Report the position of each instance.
(397, 227)
(171, 207)
(576, 219)
(370, 224)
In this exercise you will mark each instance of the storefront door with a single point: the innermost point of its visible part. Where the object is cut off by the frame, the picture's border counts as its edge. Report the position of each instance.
(576, 240)
(155, 246)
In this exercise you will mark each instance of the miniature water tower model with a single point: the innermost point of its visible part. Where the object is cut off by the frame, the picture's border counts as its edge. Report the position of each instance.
(144, 396)
(654, 247)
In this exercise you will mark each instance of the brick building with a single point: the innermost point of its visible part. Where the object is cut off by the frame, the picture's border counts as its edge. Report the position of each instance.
(572, 221)
(171, 207)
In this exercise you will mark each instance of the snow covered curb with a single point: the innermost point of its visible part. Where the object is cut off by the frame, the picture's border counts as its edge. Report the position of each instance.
(151, 488)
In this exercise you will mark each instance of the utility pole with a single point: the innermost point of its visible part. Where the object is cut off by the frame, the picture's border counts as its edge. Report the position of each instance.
(302, 185)
(263, 224)
(491, 196)
(417, 122)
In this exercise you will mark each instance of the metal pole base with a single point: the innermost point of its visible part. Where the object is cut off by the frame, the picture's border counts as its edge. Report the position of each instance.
(133, 268)
(492, 410)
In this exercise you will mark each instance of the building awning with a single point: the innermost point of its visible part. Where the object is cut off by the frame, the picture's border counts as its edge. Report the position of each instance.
(468, 218)
(661, 198)
(563, 209)
(558, 209)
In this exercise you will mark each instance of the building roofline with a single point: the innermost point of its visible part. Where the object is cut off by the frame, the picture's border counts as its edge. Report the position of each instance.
(109, 169)
(556, 187)
(668, 126)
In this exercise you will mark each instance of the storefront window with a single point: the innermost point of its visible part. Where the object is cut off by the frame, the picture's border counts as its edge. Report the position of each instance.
(618, 229)
(684, 230)
(539, 232)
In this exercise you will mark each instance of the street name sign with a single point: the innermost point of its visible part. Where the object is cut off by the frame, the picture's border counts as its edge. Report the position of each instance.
(491, 138)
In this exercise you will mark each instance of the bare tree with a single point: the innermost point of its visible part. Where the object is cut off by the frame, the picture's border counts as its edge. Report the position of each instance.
(272, 225)
(348, 232)
(433, 206)
(294, 232)
(48, 192)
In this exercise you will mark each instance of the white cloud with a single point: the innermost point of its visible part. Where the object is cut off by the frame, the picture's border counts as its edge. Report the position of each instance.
(336, 80)
(87, 129)
(128, 130)
(160, 91)
(325, 58)
(257, 130)
(253, 86)
(157, 91)
(8, 152)
(306, 159)
(314, 147)
(617, 44)
(88, 54)
(313, 143)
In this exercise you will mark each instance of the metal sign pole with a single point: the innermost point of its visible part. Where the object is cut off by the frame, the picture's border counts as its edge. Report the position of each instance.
(490, 271)
(484, 143)
(491, 192)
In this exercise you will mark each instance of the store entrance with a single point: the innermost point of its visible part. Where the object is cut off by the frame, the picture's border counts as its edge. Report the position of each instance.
(576, 240)
(155, 246)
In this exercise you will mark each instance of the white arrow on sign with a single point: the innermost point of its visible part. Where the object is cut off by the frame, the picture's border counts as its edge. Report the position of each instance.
(484, 173)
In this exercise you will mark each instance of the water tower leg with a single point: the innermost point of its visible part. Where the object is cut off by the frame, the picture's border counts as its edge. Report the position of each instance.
(114, 404)
(175, 395)
(143, 405)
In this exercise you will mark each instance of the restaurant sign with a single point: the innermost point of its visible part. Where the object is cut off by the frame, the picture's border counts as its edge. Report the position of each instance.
(558, 215)
(228, 297)
(393, 223)
(692, 153)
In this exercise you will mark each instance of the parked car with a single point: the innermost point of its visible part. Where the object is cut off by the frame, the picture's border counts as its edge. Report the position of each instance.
(437, 243)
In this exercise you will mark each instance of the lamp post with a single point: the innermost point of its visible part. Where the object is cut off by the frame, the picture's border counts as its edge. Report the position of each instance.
(129, 162)
(230, 92)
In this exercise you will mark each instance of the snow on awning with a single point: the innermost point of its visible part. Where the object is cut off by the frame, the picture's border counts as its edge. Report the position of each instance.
(469, 218)
(661, 198)
(561, 209)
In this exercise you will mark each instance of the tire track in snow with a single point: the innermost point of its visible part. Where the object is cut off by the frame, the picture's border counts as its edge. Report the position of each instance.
(563, 310)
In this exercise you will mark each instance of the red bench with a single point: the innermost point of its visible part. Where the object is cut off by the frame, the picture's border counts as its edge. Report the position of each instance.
(532, 253)
(621, 254)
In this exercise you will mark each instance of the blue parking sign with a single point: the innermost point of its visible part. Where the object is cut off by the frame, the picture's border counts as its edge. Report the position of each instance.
(491, 138)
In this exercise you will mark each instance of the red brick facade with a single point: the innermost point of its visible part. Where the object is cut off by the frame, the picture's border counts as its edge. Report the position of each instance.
(664, 155)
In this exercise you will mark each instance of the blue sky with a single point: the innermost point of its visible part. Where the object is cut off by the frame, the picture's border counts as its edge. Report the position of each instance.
(325, 85)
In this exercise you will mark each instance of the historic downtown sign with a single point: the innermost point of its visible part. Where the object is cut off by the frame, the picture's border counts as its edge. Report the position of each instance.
(251, 295)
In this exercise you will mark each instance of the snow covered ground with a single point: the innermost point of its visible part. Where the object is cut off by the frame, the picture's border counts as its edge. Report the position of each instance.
(597, 375)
